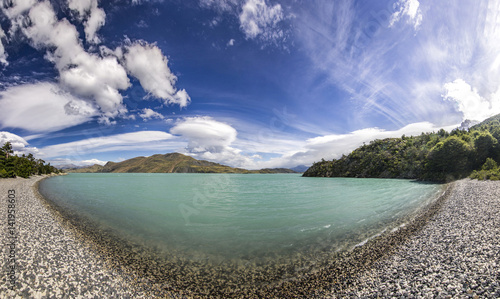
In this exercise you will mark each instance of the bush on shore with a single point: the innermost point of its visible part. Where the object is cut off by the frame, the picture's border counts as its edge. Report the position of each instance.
(489, 171)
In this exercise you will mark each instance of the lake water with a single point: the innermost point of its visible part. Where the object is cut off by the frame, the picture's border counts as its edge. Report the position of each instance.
(236, 216)
(233, 218)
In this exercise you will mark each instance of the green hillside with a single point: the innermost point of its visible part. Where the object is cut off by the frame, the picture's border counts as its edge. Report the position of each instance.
(170, 163)
(441, 156)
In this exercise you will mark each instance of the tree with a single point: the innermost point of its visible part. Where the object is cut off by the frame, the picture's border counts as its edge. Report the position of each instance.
(9, 167)
(451, 156)
(485, 145)
(7, 149)
(23, 166)
(490, 164)
(12, 165)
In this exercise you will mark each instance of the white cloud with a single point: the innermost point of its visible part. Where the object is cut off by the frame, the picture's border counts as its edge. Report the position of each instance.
(211, 140)
(221, 5)
(259, 19)
(87, 75)
(410, 9)
(287, 151)
(14, 11)
(99, 79)
(93, 161)
(469, 102)
(205, 134)
(3, 55)
(230, 42)
(94, 18)
(42, 107)
(335, 145)
(121, 142)
(60, 162)
(148, 114)
(16, 8)
(393, 74)
(94, 77)
(216, 141)
(147, 63)
(19, 144)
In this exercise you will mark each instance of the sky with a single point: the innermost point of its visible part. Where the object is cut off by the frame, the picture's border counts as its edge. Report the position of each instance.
(246, 83)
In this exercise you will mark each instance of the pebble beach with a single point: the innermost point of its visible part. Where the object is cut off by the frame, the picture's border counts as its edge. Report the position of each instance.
(456, 255)
(451, 251)
(48, 259)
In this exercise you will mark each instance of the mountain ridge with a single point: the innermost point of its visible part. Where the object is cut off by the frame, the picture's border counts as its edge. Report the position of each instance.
(169, 163)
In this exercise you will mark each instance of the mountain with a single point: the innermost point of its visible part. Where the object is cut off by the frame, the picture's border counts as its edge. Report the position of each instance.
(169, 163)
(90, 169)
(440, 156)
(300, 168)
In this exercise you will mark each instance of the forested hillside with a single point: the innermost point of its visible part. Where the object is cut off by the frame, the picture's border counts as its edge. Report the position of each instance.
(441, 156)
(24, 166)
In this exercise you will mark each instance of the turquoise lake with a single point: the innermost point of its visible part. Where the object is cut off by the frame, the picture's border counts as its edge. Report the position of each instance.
(240, 216)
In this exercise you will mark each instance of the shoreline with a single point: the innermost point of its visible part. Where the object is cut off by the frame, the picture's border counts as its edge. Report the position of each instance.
(145, 274)
(454, 256)
(45, 259)
(304, 274)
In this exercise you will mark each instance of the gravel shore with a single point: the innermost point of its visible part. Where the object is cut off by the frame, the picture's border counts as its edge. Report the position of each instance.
(455, 254)
(46, 259)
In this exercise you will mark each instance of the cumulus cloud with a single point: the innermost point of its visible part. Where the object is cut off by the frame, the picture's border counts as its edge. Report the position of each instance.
(230, 42)
(97, 78)
(259, 19)
(42, 107)
(147, 63)
(92, 16)
(148, 114)
(469, 102)
(409, 9)
(121, 142)
(13, 9)
(19, 144)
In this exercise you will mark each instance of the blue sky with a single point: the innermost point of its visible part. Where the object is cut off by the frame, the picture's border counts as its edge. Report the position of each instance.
(247, 83)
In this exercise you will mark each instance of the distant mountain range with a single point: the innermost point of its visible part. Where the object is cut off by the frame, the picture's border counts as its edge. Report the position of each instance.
(170, 163)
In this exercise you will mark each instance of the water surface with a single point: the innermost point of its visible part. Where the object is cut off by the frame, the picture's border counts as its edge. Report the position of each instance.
(221, 217)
